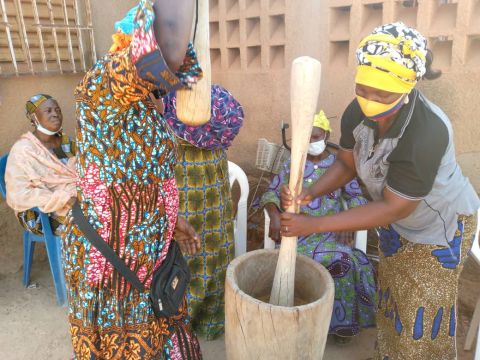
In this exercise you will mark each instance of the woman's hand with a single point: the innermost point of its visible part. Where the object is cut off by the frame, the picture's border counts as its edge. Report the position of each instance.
(274, 230)
(298, 225)
(287, 199)
(187, 238)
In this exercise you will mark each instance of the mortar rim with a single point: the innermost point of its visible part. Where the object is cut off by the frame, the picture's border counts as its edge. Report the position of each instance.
(322, 299)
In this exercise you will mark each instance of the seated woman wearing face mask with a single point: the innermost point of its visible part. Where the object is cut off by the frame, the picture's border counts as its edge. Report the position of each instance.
(40, 170)
(350, 268)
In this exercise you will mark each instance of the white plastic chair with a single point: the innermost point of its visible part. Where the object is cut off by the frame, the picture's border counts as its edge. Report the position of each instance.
(235, 173)
(475, 323)
(360, 237)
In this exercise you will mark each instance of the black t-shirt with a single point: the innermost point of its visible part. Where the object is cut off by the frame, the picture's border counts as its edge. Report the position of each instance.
(415, 161)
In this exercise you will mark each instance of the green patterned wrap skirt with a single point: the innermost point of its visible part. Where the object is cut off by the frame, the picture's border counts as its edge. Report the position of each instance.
(205, 201)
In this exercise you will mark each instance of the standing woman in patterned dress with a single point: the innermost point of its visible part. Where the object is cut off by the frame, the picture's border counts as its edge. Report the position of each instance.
(401, 146)
(127, 191)
(205, 202)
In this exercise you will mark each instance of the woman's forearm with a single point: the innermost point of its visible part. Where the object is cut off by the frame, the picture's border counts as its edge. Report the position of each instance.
(360, 218)
(173, 27)
(373, 214)
(378, 213)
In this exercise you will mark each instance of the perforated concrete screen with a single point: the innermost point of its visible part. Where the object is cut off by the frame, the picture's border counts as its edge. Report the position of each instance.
(452, 27)
(247, 35)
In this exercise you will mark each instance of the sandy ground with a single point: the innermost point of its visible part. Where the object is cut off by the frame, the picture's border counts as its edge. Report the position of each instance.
(32, 326)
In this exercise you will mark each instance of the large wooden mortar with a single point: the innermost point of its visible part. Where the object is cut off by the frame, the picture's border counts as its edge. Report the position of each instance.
(258, 330)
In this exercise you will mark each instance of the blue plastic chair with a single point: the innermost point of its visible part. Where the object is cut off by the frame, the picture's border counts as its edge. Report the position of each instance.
(53, 244)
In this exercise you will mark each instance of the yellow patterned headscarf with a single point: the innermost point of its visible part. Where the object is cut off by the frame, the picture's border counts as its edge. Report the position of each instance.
(392, 58)
(321, 121)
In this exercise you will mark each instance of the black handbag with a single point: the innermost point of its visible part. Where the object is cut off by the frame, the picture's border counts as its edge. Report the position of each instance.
(169, 282)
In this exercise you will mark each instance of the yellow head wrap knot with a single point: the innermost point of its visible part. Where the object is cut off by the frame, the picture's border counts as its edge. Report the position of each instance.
(321, 121)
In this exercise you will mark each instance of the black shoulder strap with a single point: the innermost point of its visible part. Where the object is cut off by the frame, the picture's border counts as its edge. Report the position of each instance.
(92, 236)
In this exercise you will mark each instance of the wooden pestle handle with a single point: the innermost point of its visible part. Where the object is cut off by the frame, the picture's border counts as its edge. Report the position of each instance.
(304, 92)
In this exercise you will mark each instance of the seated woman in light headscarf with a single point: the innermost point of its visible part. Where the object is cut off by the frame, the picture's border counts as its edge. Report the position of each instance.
(40, 170)
(352, 272)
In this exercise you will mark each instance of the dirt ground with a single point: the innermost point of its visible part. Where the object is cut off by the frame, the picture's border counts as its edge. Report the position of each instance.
(32, 326)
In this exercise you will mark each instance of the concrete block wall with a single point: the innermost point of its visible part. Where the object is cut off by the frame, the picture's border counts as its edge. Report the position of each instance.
(253, 43)
(452, 28)
(330, 31)
(247, 35)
